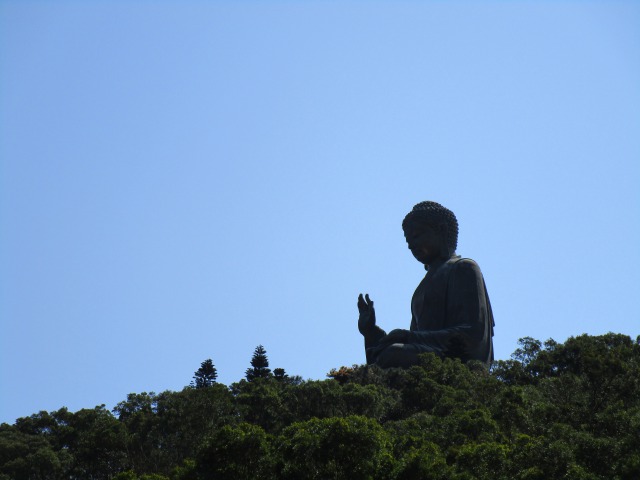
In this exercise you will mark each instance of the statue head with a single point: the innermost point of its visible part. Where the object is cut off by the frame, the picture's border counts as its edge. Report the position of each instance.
(431, 231)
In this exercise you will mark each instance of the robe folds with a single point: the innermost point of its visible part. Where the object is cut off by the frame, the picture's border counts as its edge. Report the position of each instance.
(450, 316)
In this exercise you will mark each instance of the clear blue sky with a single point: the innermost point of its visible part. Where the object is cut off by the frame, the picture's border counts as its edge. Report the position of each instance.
(187, 180)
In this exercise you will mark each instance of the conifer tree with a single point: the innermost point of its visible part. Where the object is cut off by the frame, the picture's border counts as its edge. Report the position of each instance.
(259, 365)
(280, 374)
(205, 376)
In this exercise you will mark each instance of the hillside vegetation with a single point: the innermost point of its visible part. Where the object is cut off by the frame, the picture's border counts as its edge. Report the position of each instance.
(555, 410)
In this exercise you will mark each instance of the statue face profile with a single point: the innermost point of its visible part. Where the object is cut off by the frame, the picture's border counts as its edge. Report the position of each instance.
(431, 231)
(424, 241)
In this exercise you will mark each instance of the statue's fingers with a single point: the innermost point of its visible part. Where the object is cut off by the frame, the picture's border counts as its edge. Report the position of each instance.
(369, 301)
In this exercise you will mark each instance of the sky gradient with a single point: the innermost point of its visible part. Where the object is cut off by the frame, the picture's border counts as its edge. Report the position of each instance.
(187, 180)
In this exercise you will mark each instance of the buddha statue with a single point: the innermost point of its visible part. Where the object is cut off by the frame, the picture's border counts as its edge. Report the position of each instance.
(450, 310)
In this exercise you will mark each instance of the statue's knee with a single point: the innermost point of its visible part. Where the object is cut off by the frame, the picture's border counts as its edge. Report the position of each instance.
(397, 355)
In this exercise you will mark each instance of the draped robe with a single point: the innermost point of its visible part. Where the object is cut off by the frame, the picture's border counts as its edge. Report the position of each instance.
(450, 316)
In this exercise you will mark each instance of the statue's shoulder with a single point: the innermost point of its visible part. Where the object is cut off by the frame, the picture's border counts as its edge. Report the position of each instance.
(464, 264)
(458, 260)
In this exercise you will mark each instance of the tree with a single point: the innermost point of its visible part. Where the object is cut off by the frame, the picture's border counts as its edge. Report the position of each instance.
(259, 365)
(353, 448)
(240, 452)
(205, 376)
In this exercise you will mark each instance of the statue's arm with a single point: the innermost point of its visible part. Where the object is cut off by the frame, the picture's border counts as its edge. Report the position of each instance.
(371, 332)
(372, 344)
(467, 313)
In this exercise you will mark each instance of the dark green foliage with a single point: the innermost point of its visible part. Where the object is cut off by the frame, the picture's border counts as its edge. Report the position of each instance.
(86, 444)
(205, 376)
(424, 463)
(322, 399)
(241, 452)
(26, 456)
(339, 448)
(131, 475)
(259, 365)
(163, 430)
(569, 410)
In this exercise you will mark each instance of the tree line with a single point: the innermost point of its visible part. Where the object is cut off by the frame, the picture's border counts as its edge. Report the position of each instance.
(554, 410)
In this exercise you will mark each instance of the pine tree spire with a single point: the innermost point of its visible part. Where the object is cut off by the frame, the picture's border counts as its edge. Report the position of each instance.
(205, 376)
(259, 365)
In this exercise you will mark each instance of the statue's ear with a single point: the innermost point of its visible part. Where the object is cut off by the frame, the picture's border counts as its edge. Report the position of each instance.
(443, 231)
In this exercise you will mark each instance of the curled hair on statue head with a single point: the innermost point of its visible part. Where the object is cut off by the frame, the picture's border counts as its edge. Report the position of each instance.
(434, 215)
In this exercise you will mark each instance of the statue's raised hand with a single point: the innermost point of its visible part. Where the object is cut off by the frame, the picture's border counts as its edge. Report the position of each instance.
(367, 318)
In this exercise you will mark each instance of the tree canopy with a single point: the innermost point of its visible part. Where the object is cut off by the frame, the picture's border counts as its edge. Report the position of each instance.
(554, 410)
(259, 365)
(205, 376)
